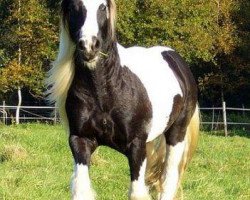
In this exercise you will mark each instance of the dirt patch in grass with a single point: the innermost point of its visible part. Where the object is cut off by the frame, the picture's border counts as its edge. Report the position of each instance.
(13, 152)
(97, 160)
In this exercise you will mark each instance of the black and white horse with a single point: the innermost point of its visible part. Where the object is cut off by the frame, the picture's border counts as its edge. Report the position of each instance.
(140, 101)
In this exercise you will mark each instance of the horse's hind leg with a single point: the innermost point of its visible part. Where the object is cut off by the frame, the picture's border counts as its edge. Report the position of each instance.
(81, 186)
(172, 174)
(177, 158)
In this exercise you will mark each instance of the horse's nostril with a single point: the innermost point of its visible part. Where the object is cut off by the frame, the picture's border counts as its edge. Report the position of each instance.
(81, 45)
(96, 44)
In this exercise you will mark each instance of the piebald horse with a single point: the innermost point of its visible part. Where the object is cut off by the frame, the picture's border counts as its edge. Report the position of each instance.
(139, 101)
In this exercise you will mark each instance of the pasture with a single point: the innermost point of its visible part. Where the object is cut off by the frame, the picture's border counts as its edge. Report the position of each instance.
(36, 163)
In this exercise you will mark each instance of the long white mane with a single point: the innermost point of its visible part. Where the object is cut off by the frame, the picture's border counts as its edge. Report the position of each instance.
(61, 75)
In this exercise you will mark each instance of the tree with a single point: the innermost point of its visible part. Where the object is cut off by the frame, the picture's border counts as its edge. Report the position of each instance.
(28, 41)
(228, 75)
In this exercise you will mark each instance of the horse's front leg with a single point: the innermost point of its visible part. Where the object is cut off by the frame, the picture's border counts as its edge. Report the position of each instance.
(137, 163)
(82, 149)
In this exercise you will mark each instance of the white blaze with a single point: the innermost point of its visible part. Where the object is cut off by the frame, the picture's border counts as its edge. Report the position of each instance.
(90, 28)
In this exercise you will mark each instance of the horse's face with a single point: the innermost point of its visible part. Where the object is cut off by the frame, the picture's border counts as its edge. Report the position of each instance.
(88, 22)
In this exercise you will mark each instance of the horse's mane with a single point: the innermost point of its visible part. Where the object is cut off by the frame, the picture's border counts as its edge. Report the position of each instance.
(62, 73)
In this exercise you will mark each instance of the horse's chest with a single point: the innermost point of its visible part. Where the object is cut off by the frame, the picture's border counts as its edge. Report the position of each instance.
(109, 129)
(102, 123)
(120, 121)
(114, 112)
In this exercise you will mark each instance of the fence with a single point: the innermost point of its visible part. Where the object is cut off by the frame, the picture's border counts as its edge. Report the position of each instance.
(28, 114)
(222, 117)
(213, 118)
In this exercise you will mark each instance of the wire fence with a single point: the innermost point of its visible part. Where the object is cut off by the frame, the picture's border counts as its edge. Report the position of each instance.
(213, 118)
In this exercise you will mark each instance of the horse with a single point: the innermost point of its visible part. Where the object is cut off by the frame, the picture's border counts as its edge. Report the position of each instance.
(139, 101)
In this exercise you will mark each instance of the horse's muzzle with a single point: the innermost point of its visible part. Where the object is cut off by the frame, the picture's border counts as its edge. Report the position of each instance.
(89, 49)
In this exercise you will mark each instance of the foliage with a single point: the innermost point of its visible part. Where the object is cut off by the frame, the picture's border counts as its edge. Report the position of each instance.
(16, 75)
(228, 76)
(197, 29)
(28, 40)
(218, 170)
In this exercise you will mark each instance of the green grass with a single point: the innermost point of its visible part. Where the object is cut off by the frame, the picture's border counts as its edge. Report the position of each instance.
(36, 163)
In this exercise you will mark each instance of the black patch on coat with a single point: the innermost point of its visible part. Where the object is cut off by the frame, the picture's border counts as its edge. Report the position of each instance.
(183, 107)
(74, 15)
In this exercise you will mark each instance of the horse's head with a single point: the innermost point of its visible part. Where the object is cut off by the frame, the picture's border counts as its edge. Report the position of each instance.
(90, 23)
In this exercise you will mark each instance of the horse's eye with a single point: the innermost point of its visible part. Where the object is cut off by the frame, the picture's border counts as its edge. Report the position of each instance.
(102, 7)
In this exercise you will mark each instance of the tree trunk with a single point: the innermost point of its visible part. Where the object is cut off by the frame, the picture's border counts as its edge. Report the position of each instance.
(19, 92)
(19, 104)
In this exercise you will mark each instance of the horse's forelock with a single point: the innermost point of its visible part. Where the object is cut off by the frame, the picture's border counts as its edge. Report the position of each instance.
(112, 17)
(64, 6)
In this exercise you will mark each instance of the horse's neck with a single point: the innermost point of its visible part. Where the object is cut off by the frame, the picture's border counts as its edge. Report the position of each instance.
(104, 78)
(109, 66)
(107, 75)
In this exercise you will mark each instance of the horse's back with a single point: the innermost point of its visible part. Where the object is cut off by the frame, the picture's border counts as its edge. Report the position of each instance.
(160, 80)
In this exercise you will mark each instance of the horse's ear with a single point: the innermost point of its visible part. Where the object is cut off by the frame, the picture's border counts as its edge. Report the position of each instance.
(112, 16)
(64, 6)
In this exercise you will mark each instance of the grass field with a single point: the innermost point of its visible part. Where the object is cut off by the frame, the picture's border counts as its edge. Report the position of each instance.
(36, 164)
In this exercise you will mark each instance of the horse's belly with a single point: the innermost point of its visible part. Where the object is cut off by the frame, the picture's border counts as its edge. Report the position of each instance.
(159, 82)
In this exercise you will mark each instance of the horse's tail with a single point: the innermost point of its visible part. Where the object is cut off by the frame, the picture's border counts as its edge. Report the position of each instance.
(191, 139)
(193, 133)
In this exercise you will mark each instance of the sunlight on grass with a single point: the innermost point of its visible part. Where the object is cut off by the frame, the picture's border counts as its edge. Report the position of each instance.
(36, 163)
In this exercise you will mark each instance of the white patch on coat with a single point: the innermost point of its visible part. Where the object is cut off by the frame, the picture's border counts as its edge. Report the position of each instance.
(158, 79)
(81, 186)
(90, 28)
(172, 176)
(138, 189)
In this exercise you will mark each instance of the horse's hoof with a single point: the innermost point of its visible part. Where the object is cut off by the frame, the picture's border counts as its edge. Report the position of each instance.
(86, 195)
(145, 197)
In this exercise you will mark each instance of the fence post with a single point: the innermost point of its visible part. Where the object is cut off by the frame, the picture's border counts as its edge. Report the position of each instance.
(55, 116)
(243, 110)
(4, 113)
(225, 118)
(19, 92)
(212, 128)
